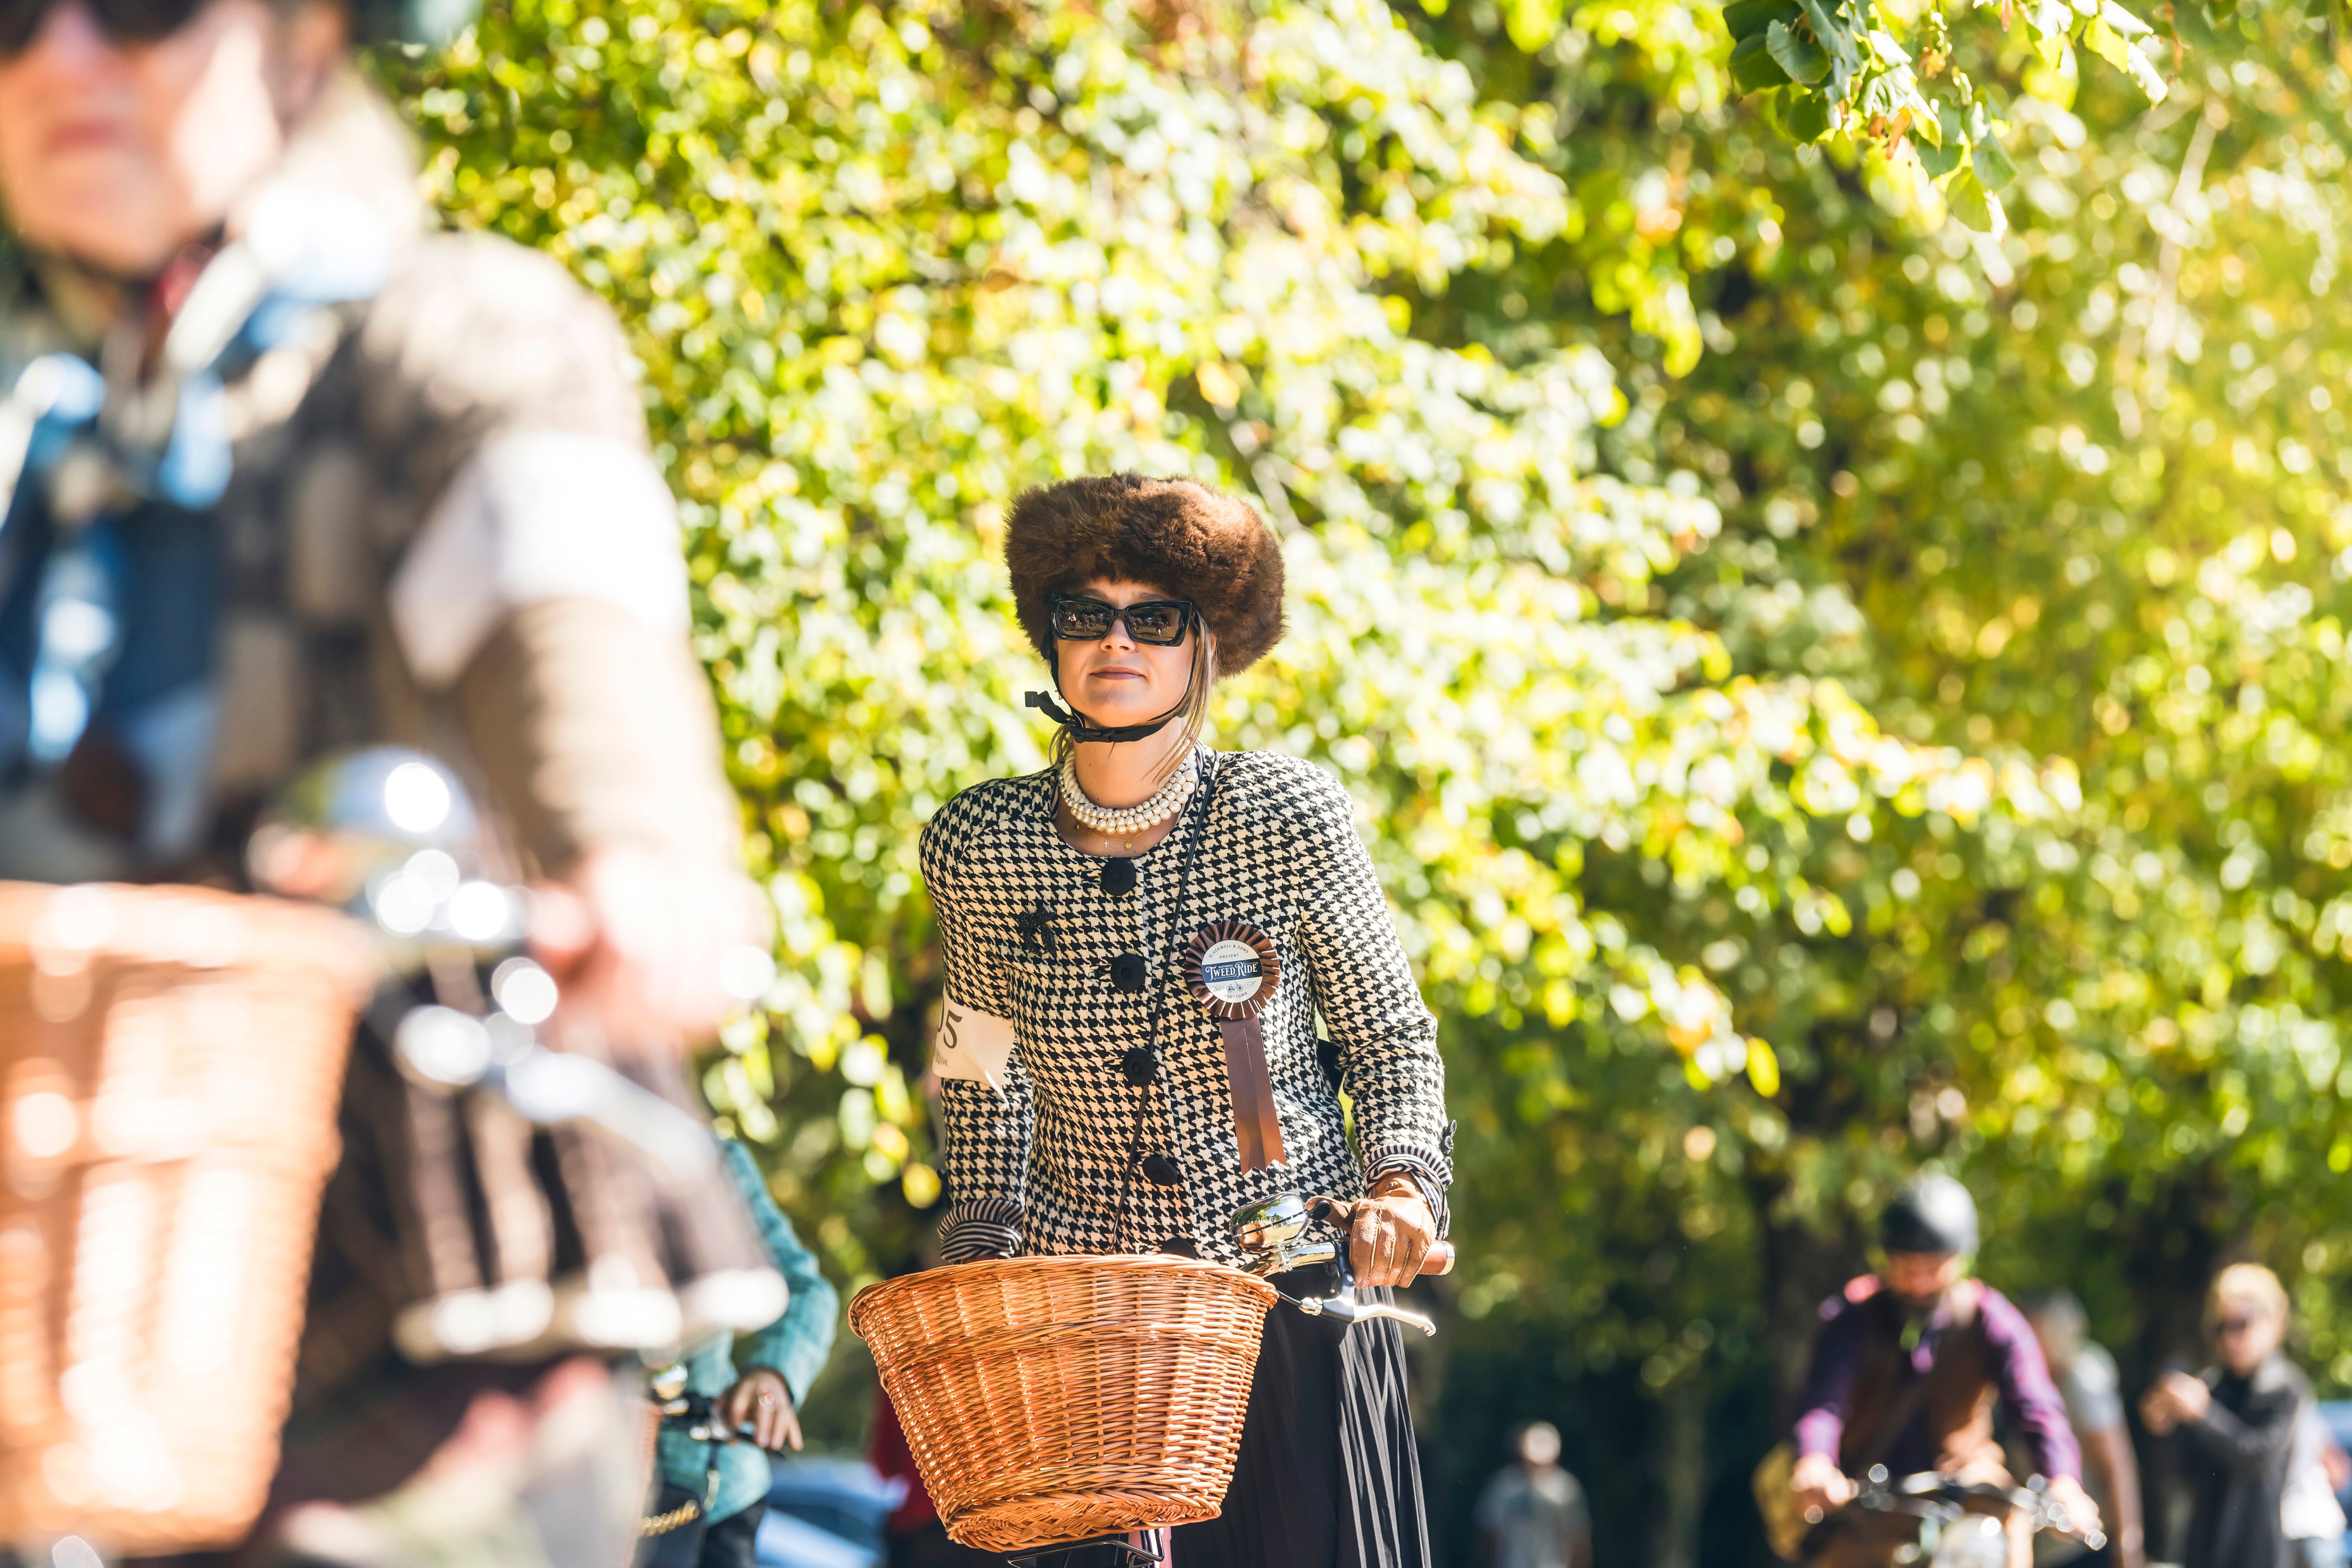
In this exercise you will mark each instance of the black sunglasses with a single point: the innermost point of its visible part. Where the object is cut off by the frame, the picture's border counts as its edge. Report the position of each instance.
(1161, 623)
(122, 21)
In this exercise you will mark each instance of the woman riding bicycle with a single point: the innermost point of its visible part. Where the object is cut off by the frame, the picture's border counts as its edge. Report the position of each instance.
(1138, 941)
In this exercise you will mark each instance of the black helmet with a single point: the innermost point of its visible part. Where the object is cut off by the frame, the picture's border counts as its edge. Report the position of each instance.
(1929, 1213)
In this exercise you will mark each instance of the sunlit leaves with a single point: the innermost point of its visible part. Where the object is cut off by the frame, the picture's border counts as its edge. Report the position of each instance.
(1826, 689)
(884, 268)
(1898, 82)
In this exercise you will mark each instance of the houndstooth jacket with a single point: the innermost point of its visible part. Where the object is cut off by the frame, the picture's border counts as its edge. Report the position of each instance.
(1038, 1141)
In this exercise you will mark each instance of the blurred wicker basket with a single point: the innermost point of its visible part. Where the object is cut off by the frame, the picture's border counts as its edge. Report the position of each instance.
(169, 1066)
(1052, 1399)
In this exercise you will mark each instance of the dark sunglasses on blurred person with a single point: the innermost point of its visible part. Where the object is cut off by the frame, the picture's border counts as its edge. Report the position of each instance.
(2230, 1327)
(122, 21)
(1161, 623)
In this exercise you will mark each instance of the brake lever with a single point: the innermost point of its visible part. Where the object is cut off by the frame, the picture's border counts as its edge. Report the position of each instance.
(1347, 1310)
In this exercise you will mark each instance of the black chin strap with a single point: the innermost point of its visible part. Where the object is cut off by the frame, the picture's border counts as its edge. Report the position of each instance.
(1086, 733)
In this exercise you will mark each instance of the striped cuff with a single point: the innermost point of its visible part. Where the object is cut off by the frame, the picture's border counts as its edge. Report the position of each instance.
(986, 1228)
(1432, 1170)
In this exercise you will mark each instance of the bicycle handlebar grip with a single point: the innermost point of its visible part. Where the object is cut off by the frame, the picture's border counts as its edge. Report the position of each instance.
(1439, 1259)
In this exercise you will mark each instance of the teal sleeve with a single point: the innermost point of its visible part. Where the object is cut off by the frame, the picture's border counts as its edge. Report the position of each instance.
(797, 1343)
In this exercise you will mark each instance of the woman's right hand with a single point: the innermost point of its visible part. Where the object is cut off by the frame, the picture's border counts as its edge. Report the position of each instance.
(1390, 1230)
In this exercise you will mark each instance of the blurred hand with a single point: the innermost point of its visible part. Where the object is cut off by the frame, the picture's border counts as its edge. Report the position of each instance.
(2176, 1397)
(2188, 1395)
(2082, 1513)
(1820, 1487)
(1389, 1232)
(637, 943)
(761, 1401)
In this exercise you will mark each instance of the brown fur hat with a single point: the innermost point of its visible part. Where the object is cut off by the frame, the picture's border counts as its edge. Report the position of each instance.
(1178, 535)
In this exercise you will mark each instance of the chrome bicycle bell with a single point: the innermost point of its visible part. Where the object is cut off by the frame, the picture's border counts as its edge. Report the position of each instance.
(1271, 1231)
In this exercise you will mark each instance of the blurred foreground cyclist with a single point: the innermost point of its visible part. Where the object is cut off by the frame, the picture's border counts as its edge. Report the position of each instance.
(283, 473)
(1906, 1372)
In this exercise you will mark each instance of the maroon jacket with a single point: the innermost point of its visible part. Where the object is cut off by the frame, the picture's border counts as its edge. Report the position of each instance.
(1972, 1351)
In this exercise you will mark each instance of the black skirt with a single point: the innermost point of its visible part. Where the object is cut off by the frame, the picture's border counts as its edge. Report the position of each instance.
(1327, 1476)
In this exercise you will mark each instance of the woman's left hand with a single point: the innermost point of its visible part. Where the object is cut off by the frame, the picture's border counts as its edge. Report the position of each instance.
(1391, 1230)
(762, 1401)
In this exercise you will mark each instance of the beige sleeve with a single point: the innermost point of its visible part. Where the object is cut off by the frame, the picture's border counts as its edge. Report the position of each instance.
(596, 732)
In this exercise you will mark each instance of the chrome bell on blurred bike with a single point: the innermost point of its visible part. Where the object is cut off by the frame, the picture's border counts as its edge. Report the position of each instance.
(356, 824)
(392, 835)
(598, 1209)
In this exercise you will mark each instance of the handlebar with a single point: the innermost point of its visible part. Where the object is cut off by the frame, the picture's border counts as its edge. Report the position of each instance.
(1931, 1495)
(697, 1415)
(1346, 1305)
(1272, 1232)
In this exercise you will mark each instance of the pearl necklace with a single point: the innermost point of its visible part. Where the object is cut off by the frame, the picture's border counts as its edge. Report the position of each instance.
(1123, 821)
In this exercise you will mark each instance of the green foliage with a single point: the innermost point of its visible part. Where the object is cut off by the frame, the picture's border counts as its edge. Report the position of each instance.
(2110, 435)
(2077, 497)
(877, 291)
(1829, 687)
(1933, 99)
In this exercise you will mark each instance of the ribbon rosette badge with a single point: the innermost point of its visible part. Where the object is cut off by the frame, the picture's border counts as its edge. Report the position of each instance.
(1231, 970)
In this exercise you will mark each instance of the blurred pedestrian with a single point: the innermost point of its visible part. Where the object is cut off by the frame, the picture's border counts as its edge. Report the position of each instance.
(2235, 1424)
(2309, 1513)
(1533, 1513)
(2087, 1380)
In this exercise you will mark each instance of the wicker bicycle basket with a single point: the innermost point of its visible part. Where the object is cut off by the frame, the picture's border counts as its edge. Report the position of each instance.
(1052, 1399)
(170, 1060)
